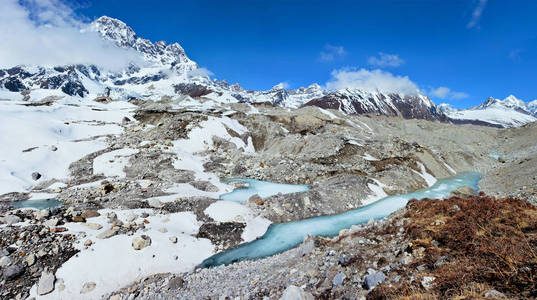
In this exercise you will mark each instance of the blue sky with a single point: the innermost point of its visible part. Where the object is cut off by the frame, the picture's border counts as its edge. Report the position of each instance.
(460, 52)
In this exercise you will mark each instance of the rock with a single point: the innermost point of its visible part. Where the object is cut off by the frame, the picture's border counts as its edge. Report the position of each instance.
(115, 297)
(41, 214)
(11, 219)
(12, 272)
(5, 261)
(78, 219)
(428, 282)
(295, 293)
(107, 233)
(106, 188)
(163, 230)
(155, 203)
(463, 192)
(112, 217)
(141, 242)
(132, 217)
(176, 283)
(173, 239)
(94, 226)
(36, 175)
(87, 214)
(255, 199)
(501, 160)
(53, 148)
(46, 283)
(338, 279)
(30, 260)
(58, 229)
(51, 222)
(494, 294)
(372, 280)
(88, 243)
(88, 287)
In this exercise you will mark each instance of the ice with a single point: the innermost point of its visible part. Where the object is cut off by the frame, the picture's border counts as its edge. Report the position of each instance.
(283, 236)
(262, 188)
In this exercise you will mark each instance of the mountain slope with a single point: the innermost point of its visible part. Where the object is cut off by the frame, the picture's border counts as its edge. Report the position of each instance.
(510, 112)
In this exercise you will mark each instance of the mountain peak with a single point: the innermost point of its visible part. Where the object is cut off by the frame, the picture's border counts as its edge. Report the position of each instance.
(115, 30)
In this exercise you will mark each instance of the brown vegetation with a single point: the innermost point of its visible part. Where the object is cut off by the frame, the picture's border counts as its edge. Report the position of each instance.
(470, 246)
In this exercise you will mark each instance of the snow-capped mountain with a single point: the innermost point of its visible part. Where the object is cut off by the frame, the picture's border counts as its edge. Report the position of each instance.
(353, 101)
(166, 70)
(509, 112)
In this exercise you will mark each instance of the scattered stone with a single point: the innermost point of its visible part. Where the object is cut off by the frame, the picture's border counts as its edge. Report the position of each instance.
(176, 283)
(295, 293)
(494, 294)
(107, 233)
(30, 259)
(88, 243)
(5, 261)
(115, 297)
(41, 214)
(463, 192)
(94, 226)
(428, 282)
(255, 199)
(51, 222)
(11, 219)
(338, 279)
(87, 214)
(12, 272)
(88, 287)
(53, 148)
(141, 242)
(78, 219)
(58, 229)
(155, 203)
(501, 160)
(106, 187)
(163, 230)
(46, 283)
(173, 239)
(132, 217)
(36, 175)
(372, 280)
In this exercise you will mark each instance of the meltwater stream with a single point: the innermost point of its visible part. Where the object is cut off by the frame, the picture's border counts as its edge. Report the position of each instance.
(262, 188)
(284, 236)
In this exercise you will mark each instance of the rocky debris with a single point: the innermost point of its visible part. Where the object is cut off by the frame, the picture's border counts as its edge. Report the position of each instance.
(36, 175)
(155, 203)
(5, 261)
(88, 287)
(173, 239)
(12, 272)
(10, 219)
(223, 235)
(494, 294)
(372, 280)
(463, 192)
(141, 242)
(87, 214)
(295, 293)
(205, 186)
(30, 259)
(46, 283)
(108, 233)
(256, 199)
(176, 283)
(94, 226)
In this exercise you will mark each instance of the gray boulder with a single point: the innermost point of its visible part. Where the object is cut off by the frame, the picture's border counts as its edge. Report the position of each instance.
(372, 280)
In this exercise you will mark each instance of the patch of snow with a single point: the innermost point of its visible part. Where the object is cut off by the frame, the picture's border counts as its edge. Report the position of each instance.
(112, 163)
(113, 263)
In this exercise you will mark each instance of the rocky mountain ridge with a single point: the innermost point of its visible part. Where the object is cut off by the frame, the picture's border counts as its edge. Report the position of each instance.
(166, 70)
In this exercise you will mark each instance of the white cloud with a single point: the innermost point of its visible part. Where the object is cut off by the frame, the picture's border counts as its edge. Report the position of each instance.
(385, 60)
(371, 81)
(446, 93)
(203, 72)
(331, 52)
(47, 33)
(476, 14)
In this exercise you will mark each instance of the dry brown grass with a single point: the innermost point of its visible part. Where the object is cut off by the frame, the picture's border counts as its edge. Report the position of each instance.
(488, 243)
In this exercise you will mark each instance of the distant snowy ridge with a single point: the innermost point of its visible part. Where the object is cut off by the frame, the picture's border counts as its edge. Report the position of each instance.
(166, 71)
(509, 112)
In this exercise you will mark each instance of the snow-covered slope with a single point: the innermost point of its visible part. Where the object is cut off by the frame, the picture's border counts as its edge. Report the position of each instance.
(510, 112)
